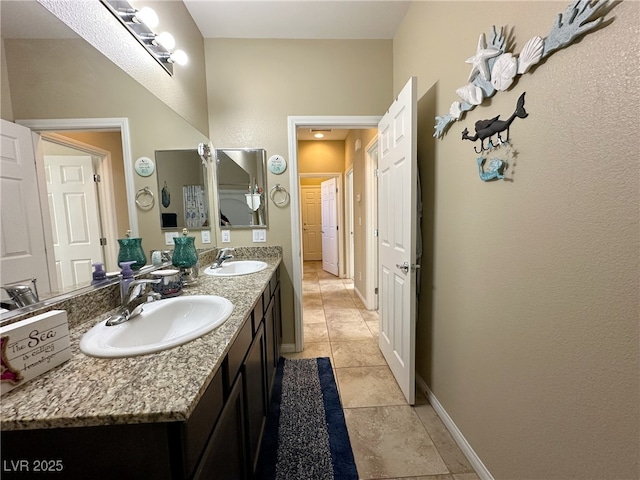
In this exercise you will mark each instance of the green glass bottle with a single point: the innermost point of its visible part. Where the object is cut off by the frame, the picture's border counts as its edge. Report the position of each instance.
(131, 251)
(185, 254)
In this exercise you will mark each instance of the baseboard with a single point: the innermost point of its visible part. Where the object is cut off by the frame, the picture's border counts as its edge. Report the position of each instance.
(362, 299)
(288, 348)
(455, 432)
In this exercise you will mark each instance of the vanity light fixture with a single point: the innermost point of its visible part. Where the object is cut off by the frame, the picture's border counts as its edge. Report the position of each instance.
(140, 23)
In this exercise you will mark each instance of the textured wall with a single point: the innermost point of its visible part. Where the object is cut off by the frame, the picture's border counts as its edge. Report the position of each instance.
(254, 85)
(528, 329)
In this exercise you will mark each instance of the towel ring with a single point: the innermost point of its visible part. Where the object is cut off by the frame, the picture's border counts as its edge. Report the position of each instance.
(148, 204)
(274, 191)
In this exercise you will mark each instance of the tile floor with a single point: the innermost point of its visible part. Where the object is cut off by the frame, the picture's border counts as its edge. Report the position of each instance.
(390, 439)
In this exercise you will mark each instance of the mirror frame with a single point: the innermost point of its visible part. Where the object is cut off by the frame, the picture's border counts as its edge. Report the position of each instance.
(263, 165)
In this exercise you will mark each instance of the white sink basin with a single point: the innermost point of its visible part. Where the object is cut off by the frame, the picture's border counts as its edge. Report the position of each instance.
(236, 267)
(161, 325)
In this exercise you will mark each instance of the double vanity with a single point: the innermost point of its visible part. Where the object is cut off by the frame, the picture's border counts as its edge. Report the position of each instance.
(195, 410)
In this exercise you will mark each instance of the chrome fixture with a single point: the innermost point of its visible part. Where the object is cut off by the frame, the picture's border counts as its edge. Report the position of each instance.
(223, 256)
(140, 24)
(23, 295)
(133, 300)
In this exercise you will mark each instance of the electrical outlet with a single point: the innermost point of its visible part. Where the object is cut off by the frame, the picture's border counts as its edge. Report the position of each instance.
(226, 236)
(206, 236)
(259, 236)
(169, 236)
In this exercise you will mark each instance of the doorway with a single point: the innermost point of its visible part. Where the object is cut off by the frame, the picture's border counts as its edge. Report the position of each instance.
(345, 122)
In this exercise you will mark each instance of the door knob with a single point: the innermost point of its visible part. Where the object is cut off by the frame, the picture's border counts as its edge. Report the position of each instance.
(404, 267)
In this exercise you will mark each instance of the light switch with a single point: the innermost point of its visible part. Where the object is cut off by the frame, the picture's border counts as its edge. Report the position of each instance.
(169, 236)
(206, 236)
(259, 236)
(226, 236)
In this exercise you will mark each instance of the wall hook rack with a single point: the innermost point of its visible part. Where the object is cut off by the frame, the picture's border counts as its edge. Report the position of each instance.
(494, 126)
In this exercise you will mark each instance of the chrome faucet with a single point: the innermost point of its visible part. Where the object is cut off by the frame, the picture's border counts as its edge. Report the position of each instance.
(23, 295)
(132, 300)
(223, 256)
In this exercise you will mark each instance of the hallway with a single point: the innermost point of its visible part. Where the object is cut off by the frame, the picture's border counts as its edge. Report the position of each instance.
(390, 439)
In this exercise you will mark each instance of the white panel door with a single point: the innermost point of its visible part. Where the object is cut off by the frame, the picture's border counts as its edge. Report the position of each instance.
(311, 223)
(75, 217)
(397, 189)
(22, 244)
(330, 252)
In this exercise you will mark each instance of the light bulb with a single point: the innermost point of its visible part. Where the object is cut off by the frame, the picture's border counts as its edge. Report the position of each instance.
(180, 57)
(148, 16)
(318, 135)
(166, 40)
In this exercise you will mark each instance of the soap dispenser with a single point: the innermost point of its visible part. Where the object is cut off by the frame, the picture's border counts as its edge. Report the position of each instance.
(127, 278)
(185, 257)
(131, 250)
(99, 275)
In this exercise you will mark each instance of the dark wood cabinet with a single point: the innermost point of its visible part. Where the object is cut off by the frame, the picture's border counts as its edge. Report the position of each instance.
(225, 457)
(220, 440)
(255, 387)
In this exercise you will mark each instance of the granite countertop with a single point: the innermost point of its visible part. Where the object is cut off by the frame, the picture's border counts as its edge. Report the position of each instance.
(159, 387)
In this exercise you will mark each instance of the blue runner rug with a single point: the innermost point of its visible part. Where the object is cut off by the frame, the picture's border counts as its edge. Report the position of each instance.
(305, 435)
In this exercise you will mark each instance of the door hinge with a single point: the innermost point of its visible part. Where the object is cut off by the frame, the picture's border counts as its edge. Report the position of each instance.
(96, 178)
(375, 290)
(103, 241)
(337, 227)
(375, 232)
(376, 173)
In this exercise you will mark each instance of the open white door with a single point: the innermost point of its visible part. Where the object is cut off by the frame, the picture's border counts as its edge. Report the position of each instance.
(397, 205)
(330, 251)
(75, 215)
(23, 244)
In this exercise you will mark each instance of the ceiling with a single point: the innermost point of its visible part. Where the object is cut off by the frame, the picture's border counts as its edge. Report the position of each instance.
(301, 19)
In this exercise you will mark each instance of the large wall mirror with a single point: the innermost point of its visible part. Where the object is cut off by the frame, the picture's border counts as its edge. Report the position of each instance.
(182, 190)
(242, 187)
(39, 84)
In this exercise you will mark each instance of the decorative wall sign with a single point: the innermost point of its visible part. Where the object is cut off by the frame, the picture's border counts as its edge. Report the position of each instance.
(144, 166)
(277, 164)
(494, 69)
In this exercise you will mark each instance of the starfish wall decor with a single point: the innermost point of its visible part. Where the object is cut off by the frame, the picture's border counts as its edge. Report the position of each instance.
(494, 69)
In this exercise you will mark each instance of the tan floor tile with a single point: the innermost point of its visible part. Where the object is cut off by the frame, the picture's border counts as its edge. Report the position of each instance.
(391, 442)
(448, 448)
(348, 331)
(333, 287)
(312, 299)
(373, 328)
(313, 315)
(425, 477)
(357, 353)
(315, 332)
(341, 315)
(312, 350)
(370, 315)
(369, 387)
(465, 476)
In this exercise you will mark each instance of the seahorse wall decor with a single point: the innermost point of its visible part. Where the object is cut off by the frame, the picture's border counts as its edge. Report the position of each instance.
(494, 69)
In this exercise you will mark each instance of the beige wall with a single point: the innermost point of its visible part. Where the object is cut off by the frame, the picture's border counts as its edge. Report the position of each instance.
(45, 83)
(321, 156)
(254, 85)
(528, 331)
(360, 225)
